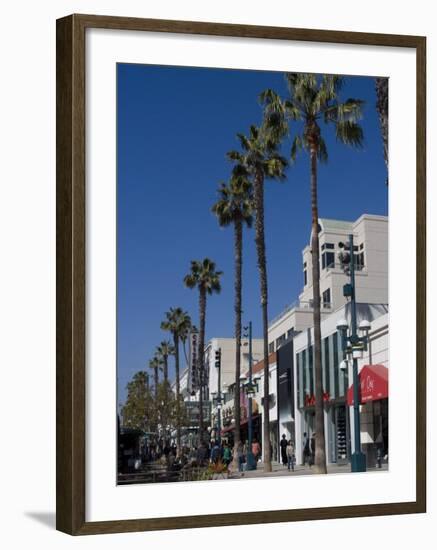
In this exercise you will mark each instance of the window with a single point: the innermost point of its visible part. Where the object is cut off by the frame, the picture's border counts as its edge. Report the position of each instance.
(359, 261)
(311, 370)
(336, 365)
(326, 298)
(271, 347)
(290, 333)
(299, 381)
(305, 278)
(280, 340)
(328, 260)
(326, 366)
(328, 246)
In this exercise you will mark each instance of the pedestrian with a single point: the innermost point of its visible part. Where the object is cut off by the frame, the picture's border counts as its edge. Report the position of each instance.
(201, 454)
(256, 450)
(227, 454)
(215, 453)
(312, 448)
(240, 456)
(306, 449)
(291, 457)
(284, 444)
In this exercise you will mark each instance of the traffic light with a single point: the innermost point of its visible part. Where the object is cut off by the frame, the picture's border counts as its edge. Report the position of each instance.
(218, 358)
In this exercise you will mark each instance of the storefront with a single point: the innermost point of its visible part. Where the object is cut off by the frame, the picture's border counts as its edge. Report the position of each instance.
(285, 392)
(228, 421)
(335, 385)
(373, 412)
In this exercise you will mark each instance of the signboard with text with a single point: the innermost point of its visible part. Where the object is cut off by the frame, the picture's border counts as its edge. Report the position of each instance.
(193, 362)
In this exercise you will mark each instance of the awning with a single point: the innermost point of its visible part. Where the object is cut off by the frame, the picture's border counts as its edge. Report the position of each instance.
(242, 423)
(373, 384)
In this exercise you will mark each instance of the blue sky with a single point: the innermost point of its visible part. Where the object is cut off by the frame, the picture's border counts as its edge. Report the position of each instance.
(174, 127)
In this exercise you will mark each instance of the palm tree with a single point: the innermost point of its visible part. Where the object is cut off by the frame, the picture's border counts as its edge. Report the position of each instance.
(259, 160)
(314, 99)
(178, 323)
(206, 278)
(162, 352)
(155, 365)
(235, 206)
(381, 86)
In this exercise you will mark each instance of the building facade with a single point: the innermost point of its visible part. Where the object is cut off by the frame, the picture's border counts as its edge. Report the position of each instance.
(291, 369)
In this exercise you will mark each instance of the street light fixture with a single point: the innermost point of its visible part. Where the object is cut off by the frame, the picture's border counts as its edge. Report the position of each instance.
(353, 346)
(250, 387)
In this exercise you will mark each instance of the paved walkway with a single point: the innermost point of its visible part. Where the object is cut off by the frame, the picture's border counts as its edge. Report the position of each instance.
(280, 470)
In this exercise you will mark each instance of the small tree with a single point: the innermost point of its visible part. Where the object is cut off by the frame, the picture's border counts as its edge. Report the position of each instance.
(138, 410)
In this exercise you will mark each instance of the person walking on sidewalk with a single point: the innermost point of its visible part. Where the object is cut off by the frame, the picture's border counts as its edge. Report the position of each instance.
(227, 454)
(312, 448)
(256, 450)
(240, 455)
(306, 449)
(284, 444)
(291, 457)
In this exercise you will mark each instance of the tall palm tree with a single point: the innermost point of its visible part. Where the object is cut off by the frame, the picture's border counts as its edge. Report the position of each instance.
(381, 87)
(206, 278)
(178, 323)
(162, 352)
(314, 99)
(155, 366)
(235, 206)
(259, 160)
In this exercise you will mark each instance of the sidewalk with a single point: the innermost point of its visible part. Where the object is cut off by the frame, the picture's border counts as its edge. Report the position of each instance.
(279, 470)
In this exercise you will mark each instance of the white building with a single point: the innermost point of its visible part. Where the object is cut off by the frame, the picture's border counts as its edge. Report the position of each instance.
(337, 385)
(290, 341)
(227, 347)
(371, 260)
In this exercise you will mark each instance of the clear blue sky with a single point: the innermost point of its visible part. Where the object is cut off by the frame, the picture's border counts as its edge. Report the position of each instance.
(175, 126)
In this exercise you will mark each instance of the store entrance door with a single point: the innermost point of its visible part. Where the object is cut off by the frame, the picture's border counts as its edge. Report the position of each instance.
(341, 435)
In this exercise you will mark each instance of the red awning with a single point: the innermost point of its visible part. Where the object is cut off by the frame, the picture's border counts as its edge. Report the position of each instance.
(242, 423)
(373, 384)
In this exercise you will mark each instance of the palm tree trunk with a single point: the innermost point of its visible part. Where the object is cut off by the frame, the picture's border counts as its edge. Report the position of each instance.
(238, 246)
(165, 401)
(178, 390)
(320, 458)
(155, 373)
(262, 268)
(202, 313)
(165, 361)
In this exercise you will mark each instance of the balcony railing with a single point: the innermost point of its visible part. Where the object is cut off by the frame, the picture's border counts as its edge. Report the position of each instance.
(299, 304)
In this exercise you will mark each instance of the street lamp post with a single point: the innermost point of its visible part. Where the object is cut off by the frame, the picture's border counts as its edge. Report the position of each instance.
(218, 396)
(249, 389)
(354, 348)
